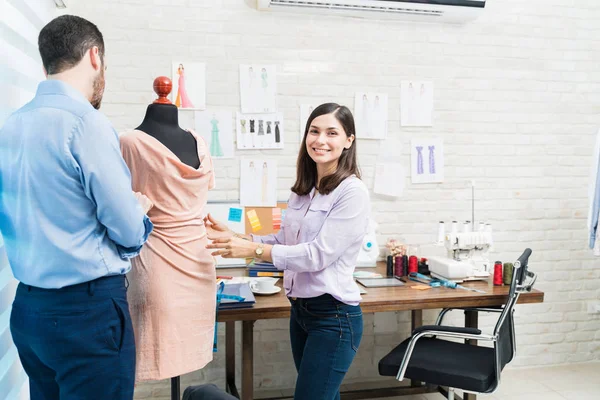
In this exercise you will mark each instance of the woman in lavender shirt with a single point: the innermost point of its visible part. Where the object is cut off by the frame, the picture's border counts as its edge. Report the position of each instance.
(317, 247)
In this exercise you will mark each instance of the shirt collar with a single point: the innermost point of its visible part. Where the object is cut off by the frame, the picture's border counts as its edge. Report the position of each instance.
(55, 86)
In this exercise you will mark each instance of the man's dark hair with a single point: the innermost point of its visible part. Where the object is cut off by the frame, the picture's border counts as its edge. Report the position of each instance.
(64, 41)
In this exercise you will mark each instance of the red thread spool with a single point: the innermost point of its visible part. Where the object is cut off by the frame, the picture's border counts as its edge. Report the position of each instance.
(498, 273)
(413, 264)
(398, 266)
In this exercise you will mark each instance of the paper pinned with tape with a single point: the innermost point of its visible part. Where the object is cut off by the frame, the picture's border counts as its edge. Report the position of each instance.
(389, 179)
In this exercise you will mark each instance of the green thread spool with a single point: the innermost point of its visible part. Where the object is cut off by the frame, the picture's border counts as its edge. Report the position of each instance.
(508, 273)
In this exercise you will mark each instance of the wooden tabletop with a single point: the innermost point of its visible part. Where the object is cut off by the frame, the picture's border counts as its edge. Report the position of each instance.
(399, 298)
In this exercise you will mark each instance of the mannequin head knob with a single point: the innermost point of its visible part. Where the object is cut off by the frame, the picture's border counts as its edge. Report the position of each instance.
(162, 87)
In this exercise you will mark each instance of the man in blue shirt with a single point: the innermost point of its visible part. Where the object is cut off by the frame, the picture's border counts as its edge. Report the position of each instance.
(70, 223)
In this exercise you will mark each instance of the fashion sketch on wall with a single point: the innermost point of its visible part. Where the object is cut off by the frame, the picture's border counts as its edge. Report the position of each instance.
(305, 111)
(259, 131)
(416, 103)
(427, 160)
(189, 85)
(258, 183)
(258, 88)
(371, 115)
(216, 127)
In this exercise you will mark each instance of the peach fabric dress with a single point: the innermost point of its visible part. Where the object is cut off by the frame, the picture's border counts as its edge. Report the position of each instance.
(172, 283)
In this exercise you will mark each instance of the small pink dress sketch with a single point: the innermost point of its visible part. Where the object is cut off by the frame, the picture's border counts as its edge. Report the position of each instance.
(182, 99)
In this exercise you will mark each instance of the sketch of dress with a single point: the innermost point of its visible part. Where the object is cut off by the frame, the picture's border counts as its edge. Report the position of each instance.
(264, 76)
(269, 127)
(277, 134)
(250, 77)
(182, 100)
(365, 120)
(265, 182)
(420, 160)
(251, 126)
(431, 159)
(377, 118)
(243, 123)
(261, 131)
(215, 144)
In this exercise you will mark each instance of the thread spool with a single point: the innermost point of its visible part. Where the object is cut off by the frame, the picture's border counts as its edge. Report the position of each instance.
(404, 265)
(389, 271)
(398, 266)
(441, 232)
(467, 227)
(454, 227)
(498, 273)
(413, 264)
(507, 273)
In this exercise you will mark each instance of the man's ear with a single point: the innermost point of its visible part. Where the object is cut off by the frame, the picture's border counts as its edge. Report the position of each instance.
(45, 72)
(95, 58)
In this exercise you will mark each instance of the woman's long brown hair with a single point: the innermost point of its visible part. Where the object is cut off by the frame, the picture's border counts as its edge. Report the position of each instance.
(306, 169)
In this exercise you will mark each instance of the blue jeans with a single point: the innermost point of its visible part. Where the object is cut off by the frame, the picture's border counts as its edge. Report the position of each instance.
(325, 334)
(76, 343)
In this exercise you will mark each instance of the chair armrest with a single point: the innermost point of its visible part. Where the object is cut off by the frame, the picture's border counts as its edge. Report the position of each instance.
(444, 311)
(442, 328)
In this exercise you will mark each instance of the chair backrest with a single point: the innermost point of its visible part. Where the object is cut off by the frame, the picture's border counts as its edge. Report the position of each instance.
(505, 331)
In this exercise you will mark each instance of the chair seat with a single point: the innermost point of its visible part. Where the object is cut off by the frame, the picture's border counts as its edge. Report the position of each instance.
(444, 363)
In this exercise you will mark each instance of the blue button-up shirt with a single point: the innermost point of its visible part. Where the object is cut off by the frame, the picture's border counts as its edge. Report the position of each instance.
(67, 212)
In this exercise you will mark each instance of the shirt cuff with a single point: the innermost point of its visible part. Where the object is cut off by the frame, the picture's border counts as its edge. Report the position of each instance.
(129, 252)
(278, 256)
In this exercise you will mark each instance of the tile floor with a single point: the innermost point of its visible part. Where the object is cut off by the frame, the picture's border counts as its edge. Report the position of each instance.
(565, 382)
(568, 382)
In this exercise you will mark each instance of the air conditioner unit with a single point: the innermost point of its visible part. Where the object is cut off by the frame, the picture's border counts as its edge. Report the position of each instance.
(452, 11)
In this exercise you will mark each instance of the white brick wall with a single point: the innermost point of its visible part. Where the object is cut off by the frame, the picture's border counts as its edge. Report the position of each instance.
(516, 102)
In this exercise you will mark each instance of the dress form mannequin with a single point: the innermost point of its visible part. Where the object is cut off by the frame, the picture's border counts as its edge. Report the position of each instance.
(161, 122)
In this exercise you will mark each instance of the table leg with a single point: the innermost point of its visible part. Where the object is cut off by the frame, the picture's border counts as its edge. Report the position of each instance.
(248, 360)
(416, 320)
(230, 359)
(471, 321)
(175, 388)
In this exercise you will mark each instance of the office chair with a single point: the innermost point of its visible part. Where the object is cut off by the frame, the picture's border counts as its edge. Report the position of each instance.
(426, 357)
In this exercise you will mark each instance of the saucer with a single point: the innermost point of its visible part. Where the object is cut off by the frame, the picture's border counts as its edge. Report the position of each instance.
(276, 289)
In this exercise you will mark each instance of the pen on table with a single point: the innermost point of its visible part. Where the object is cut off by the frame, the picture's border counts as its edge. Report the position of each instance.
(224, 277)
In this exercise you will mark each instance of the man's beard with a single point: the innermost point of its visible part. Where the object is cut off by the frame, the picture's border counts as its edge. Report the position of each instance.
(99, 83)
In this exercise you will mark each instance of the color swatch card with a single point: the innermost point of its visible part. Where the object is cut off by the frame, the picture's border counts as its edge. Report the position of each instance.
(254, 221)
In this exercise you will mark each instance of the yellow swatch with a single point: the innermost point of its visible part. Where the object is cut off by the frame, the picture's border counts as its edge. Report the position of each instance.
(254, 221)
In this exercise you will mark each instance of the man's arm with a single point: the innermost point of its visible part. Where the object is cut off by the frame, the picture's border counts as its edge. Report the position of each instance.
(106, 181)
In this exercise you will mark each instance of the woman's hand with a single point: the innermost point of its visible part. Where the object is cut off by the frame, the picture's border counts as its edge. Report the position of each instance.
(145, 202)
(216, 229)
(233, 247)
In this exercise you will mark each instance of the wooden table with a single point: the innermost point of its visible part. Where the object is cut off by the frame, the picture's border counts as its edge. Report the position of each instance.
(401, 298)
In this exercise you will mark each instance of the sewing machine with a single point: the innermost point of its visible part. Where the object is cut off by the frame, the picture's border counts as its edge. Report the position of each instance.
(467, 257)
(369, 251)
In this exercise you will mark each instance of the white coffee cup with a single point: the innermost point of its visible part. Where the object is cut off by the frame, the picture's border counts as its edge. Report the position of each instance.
(262, 286)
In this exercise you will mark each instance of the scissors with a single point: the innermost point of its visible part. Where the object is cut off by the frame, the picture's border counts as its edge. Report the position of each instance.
(415, 276)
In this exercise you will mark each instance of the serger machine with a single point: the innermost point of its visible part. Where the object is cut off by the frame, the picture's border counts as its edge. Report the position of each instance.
(467, 257)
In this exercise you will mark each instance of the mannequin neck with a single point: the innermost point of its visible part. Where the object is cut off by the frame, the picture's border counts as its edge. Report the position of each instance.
(160, 118)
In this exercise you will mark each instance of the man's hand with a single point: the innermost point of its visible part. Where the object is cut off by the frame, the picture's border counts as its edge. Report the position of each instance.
(144, 202)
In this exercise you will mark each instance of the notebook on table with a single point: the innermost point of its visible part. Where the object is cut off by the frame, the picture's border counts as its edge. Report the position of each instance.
(241, 290)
